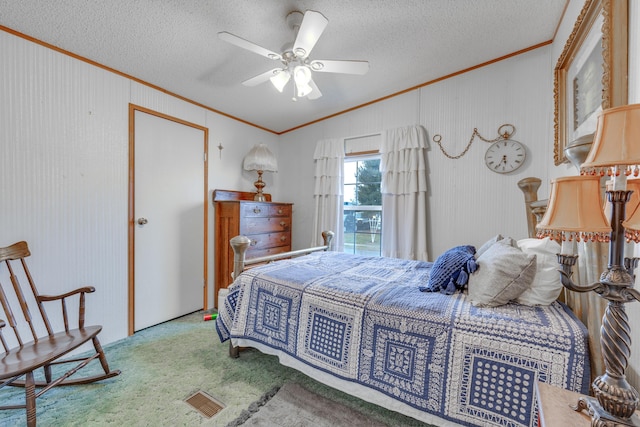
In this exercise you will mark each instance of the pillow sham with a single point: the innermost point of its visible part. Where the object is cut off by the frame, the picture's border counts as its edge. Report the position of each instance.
(546, 286)
(503, 274)
(451, 270)
(495, 239)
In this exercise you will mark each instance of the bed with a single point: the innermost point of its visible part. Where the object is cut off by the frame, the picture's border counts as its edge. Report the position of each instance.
(363, 325)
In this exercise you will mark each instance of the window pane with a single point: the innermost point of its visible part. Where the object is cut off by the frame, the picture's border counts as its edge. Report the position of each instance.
(362, 232)
(362, 206)
(350, 172)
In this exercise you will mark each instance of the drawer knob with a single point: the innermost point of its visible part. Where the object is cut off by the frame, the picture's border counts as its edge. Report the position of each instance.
(257, 210)
(283, 238)
(253, 242)
(280, 211)
(283, 224)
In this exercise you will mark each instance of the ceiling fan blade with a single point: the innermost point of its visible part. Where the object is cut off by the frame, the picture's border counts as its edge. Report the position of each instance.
(315, 93)
(246, 44)
(261, 78)
(345, 67)
(313, 24)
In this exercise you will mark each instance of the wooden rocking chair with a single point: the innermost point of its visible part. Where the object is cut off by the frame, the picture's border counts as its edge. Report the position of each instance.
(47, 347)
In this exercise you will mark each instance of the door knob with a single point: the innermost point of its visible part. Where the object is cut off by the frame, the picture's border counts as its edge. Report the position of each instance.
(142, 221)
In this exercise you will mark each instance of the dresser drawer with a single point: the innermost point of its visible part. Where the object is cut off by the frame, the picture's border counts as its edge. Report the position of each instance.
(256, 209)
(257, 253)
(264, 225)
(270, 240)
(280, 210)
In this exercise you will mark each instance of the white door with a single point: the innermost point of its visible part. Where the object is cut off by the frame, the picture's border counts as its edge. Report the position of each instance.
(168, 219)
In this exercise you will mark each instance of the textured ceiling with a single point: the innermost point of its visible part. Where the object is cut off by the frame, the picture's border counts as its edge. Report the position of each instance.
(173, 44)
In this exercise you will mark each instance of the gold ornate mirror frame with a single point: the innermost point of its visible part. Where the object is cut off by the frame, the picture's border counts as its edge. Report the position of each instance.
(614, 64)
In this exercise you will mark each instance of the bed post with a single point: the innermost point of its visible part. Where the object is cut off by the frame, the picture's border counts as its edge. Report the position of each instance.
(529, 187)
(327, 236)
(240, 244)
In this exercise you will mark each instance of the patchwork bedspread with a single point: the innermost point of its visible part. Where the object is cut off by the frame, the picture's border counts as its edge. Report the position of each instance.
(363, 322)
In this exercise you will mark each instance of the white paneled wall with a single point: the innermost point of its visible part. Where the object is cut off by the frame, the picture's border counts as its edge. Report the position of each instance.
(64, 153)
(468, 203)
(63, 171)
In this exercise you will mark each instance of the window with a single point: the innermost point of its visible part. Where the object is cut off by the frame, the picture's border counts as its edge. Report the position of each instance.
(362, 205)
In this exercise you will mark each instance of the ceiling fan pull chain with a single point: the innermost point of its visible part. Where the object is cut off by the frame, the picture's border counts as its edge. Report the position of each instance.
(502, 134)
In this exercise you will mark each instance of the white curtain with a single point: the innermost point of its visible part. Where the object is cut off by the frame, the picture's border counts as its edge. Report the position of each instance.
(404, 193)
(329, 158)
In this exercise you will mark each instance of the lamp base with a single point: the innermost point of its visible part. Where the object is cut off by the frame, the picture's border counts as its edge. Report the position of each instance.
(259, 197)
(600, 417)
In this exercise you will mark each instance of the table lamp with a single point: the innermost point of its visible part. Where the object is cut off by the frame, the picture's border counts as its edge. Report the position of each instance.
(575, 214)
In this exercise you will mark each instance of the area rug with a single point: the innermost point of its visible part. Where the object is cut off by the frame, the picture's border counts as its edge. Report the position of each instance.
(293, 406)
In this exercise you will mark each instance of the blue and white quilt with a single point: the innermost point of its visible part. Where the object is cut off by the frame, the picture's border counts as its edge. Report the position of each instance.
(361, 324)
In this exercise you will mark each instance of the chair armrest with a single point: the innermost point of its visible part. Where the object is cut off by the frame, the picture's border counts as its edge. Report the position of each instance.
(63, 297)
(85, 290)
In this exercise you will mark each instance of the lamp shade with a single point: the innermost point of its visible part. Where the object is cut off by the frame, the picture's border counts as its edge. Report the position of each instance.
(575, 211)
(616, 141)
(260, 158)
(280, 79)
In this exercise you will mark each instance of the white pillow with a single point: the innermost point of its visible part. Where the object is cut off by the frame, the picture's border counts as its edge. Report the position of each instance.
(546, 286)
(503, 274)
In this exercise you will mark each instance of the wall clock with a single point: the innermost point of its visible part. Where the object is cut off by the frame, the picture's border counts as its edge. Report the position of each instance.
(505, 156)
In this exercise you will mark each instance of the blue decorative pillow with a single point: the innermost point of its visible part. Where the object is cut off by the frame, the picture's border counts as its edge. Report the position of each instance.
(451, 270)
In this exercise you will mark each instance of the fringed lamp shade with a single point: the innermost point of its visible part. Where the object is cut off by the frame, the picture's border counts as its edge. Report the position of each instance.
(573, 212)
(616, 141)
(260, 159)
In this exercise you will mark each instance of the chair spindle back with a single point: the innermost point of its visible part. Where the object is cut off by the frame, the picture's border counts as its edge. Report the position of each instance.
(14, 258)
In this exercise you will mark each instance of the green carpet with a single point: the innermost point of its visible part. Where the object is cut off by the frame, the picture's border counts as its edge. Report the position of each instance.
(161, 367)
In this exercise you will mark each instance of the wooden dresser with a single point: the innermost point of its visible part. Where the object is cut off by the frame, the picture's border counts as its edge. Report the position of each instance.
(267, 224)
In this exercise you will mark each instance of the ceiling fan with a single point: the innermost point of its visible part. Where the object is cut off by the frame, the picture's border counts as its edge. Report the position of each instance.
(295, 61)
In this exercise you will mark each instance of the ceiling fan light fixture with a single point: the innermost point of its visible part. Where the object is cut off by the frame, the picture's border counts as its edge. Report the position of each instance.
(302, 77)
(295, 63)
(301, 74)
(303, 89)
(280, 79)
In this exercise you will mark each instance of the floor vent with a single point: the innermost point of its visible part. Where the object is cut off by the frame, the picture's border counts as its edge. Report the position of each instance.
(205, 404)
